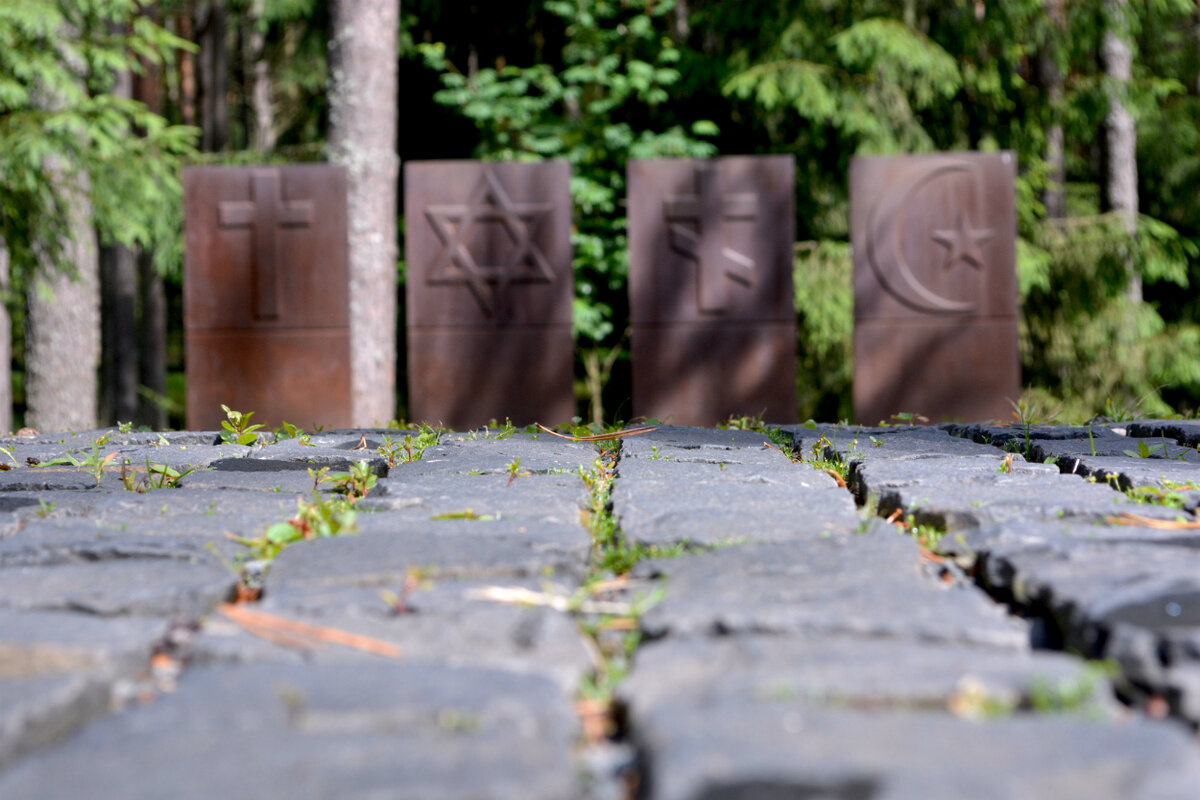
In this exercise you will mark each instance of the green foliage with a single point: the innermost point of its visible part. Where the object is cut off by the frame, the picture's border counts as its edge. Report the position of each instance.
(59, 120)
(236, 427)
(600, 101)
(410, 448)
(316, 518)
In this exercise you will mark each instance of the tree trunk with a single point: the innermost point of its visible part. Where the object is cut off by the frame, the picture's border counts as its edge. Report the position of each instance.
(118, 306)
(362, 137)
(5, 346)
(264, 115)
(152, 321)
(1054, 197)
(213, 74)
(1121, 134)
(153, 351)
(62, 341)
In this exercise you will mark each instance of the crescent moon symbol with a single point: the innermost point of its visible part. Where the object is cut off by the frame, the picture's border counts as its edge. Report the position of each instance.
(882, 227)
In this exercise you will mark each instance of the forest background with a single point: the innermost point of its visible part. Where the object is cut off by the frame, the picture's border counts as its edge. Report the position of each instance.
(103, 101)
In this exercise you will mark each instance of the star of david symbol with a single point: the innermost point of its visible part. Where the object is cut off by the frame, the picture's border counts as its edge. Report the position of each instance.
(708, 210)
(522, 261)
(963, 242)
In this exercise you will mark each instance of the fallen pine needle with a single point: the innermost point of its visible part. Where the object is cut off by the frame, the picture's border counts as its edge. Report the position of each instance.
(301, 634)
(519, 595)
(833, 473)
(1128, 518)
(600, 437)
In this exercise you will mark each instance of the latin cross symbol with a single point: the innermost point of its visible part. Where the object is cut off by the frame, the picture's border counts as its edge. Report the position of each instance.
(695, 226)
(963, 242)
(266, 215)
(522, 260)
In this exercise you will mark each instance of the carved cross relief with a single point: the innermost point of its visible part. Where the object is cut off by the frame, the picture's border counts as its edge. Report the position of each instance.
(695, 226)
(266, 214)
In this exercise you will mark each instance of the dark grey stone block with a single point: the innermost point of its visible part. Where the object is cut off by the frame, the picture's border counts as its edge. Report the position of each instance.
(388, 547)
(555, 498)
(442, 622)
(785, 748)
(819, 586)
(164, 588)
(393, 730)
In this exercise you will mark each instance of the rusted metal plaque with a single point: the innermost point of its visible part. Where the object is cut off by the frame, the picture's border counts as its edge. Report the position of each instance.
(935, 291)
(489, 290)
(266, 287)
(710, 288)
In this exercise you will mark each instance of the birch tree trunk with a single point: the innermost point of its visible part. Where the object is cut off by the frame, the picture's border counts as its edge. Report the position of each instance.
(5, 345)
(362, 137)
(1054, 197)
(62, 340)
(264, 116)
(1120, 132)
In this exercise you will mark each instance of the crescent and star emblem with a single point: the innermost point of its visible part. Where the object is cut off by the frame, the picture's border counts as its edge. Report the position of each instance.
(885, 253)
(523, 261)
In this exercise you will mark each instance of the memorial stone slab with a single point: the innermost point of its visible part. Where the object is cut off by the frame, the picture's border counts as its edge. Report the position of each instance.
(935, 292)
(489, 292)
(710, 288)
(266, 294)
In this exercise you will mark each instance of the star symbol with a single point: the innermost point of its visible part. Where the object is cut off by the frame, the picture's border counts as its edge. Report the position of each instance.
(963, 242)
(522, 261)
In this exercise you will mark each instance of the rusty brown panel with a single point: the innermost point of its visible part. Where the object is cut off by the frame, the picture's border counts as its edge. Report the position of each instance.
(465, 377)
(302, 376)
(266, 288)
(487, 244)
(711, 239)
(702, 373)
(948, 369)
(265, 247)
(934, 236)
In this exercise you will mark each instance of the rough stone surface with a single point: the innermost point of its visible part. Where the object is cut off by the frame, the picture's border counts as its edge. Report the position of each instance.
(798, 646)
(384, 729)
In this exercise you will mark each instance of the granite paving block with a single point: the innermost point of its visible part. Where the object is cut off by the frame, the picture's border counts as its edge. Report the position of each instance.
(439, 621)
(857, 443)
(956, 494)
(459, 454)
(1185, 432)
(168, 588)
(394, 730)
(731, 748)
(555, 498)
(57, 671)
(805, 504)
(864, 673)
(1126, 593)
(387, 548)
(818, 586)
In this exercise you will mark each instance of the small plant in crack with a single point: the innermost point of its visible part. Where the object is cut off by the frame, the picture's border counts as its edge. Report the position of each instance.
(353, 483)
(1155, 451)
(410, 448)
(1168, 495)
(93, 460)
(236, 427)
(316, 518)
(1027, 414)
(745, 423)
(155, 476)
(289, 431)
(927, 534)
(513, 468)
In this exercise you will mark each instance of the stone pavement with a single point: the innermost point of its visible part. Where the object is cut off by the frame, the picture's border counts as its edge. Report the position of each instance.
(687, 613)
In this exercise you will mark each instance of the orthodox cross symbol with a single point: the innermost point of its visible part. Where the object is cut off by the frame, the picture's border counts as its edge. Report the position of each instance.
(265, 215)
(963, 242)
(707, 211)
(521, 262)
